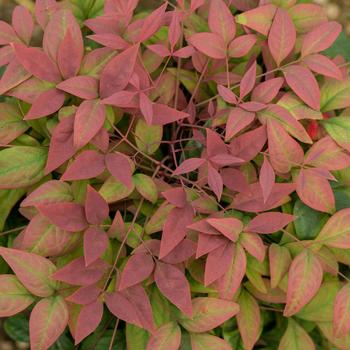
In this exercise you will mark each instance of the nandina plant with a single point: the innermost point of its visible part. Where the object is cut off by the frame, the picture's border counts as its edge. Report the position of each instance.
(175, 177)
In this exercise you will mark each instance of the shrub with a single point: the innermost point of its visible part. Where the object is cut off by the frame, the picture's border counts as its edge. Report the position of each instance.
(182, 175)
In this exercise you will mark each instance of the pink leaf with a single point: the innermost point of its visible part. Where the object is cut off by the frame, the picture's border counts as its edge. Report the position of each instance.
(253, 244)
(227, 94)
(176, 196)
(111, 40)
(160, 50)
(267, 178)
(282, 36)
(323, 65)
(208, 243)
(87, 165)
(89, 119)
(218, 262)
(85, 295)
(33, 271)
(118, 71)
(61, 146)
(14, 75)
(175, 229)
(248, 81)
(124, 99)
(95, 244)
(238, 119)
(215, 181)
(225, 159)
(96, 208)
(77, 274)
(152, 23)
(230, 282)
(29, 58)
(229, 227)
(138, 268)
(304, 280)
(269, 222)
(320, 38)
(168, 336)
(174, 30)
(47, 322)
(163, 114)
(120, 167)
(68, 216)
(184, 52)
(146, 108)
(210, 44)
(7, 34)
(315, 191)
(241, 46)
(189, 165)
(304, 84)
(341, 318)
(221, 20)
(40, 108)
(23, 24)
(82, 86)
(265, 92)
(70, 54)
(174, 286)
(88, 320)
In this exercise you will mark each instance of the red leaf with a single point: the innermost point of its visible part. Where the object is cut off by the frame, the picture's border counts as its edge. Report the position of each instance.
(218, 262)
(267, 178)
(229, 227)
(82, 86)
(87, 165)
(68, 216)
(320, 38)
(241, 46)
(282, 36)
(175, 229)
(163, 114)
(174, 286)
(61, 146)
(304, 280)
(189, 165)
(85, 295)
(269, 222)
(225, 159)
(323, 65)
(341, 320)
(152, 23)
(14, 75)
(95, 244)
(176, 196)
(22, 22)
(119, 166)
(210, 44)
(221, 20)
(111, 40)
(96, 208)
(265, 92)
(174, 30)
(182, 252)
(40, 108)
(118, 71)
(227, 94)
(248, 81)
(238, 119)
(89, 119)
(132, 305)
(70, 54)
(214, 144)
(138, 268)
(215, 181)
(88, 320)
(125, 99)
(77, 274)
(315, 191)
(208, 243)
(29, 58)
(304, 84)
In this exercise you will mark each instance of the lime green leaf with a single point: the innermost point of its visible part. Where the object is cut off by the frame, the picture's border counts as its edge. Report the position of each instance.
(148, 137)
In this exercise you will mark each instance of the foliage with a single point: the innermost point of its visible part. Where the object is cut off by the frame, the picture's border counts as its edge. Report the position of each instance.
(176, 177)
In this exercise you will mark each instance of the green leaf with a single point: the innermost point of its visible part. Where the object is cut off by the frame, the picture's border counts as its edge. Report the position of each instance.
(146, 187)
(308, 222)
(136, 338)
(8, 199)
(98, 341)
(17, 328)
(113, 190)
(339, 129)
(21, 166)
(335, 94)
(148, 137)
(64, 342)
(340, 47)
